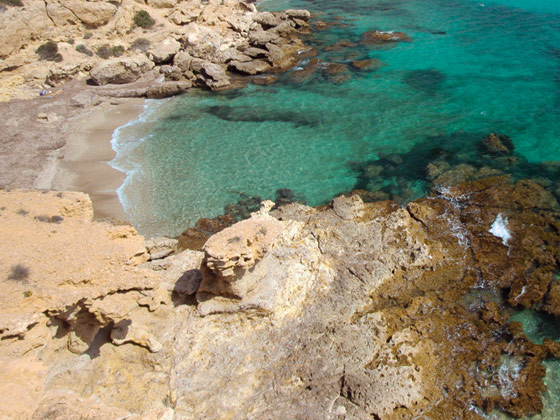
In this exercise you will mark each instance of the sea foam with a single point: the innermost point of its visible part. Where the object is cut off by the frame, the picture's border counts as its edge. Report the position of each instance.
(499, 229)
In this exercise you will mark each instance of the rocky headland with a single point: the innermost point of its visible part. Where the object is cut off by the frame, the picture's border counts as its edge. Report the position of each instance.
(353, 310)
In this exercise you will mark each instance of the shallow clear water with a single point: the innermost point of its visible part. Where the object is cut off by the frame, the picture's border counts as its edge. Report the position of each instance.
(538, 326)
(471, 69)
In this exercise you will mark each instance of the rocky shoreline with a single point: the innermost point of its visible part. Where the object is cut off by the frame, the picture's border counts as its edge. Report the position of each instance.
(347, 311)
(210, 45)
(184, 43)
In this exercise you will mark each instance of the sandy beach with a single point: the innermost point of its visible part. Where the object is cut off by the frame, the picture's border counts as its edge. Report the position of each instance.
(85, 166)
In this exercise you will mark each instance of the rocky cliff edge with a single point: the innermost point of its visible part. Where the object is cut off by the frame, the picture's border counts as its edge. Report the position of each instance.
(349, 311)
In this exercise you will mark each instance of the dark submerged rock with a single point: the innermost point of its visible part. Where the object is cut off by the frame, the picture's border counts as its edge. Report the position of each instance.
(428, 81)
(384, 37)
(497, 144)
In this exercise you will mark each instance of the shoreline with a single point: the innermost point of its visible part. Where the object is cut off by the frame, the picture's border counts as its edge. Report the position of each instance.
(85, 166)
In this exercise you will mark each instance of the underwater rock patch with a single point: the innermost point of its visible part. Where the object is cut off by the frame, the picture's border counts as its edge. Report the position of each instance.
(384, 37)
(428, 81)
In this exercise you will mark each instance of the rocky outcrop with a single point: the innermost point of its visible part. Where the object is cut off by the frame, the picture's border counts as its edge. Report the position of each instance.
(353, 310)
(89, 13)
(120, 70)
(210, 74)
(234, 251)
(84, 34)
(164, 51)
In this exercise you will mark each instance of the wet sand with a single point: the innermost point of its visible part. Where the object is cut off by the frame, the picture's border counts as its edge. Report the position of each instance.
(88, 150)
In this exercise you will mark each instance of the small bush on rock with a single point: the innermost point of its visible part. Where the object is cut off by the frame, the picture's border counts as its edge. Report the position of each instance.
(117, 50)
(104, 51)
(84, 50)
(140, 44)
(47, 219)
(18, 272)
(49, 52)
(13, 3)
(143, 19)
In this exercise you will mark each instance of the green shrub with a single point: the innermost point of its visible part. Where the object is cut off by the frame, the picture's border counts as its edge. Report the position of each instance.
(117, 50)
(84, 50)
(49, 52)
(105, 51)
(143, 19)
(140, 44)
(18, 272)
(88, 35)
(71, 41)
(47, 219)
(13, 3)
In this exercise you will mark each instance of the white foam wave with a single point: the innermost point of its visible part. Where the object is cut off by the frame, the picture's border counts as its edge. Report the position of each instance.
(508, 373)
(125, 141)
(499, 229)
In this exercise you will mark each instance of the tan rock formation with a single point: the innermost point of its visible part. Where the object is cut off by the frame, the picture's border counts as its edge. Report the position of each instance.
(120, 70)
(349, 311)
(91, 13)
(81, 27)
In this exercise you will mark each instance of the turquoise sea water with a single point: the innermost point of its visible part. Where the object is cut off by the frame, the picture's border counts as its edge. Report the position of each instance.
(472, 68)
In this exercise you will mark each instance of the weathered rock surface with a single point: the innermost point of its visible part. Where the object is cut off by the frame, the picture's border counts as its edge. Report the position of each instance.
(349, 311)
(369, 64)
(250, 67)
(164, 51)
(167, 89)
(201, 30)
(210, 74)
(120, 70)
(498, 144)
(92, 13)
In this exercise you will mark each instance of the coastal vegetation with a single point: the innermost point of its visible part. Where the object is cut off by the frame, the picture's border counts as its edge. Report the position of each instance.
(143, 19)
(81, 48)
(49, 52)
(11, 3)
(106, 51)
(18, 272)
(140, 44)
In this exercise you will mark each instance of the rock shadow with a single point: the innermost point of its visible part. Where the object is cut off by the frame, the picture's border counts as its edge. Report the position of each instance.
(186, 287)
(102, 337)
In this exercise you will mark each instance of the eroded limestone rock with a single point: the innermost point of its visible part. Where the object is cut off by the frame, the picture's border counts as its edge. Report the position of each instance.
(120, 70)
(349, 311)
(164, 51)
(234, 250)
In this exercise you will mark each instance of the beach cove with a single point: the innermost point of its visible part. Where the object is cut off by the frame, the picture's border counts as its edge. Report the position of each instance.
(407, 268)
